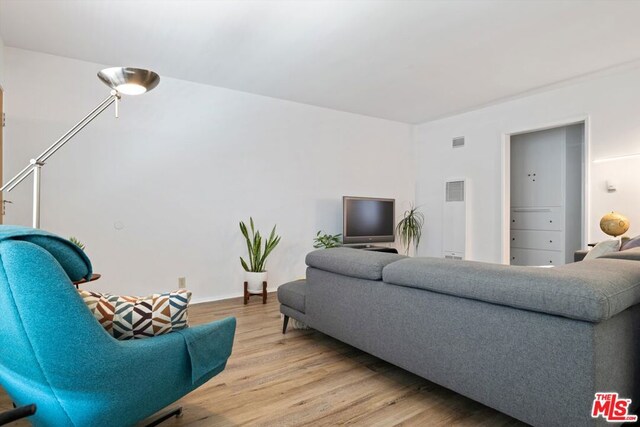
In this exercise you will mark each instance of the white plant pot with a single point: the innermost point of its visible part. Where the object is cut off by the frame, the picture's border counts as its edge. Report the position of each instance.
(254, 281)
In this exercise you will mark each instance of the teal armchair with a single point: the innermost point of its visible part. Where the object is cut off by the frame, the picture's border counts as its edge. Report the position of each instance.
(55, 354)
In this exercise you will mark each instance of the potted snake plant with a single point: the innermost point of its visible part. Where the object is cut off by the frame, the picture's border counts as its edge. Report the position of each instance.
(409, 229)
(255, 268)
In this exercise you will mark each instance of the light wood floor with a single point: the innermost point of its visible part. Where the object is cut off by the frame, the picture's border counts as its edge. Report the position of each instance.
(307, 378)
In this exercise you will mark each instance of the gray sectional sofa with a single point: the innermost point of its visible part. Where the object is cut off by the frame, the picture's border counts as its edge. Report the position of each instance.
(534, 343)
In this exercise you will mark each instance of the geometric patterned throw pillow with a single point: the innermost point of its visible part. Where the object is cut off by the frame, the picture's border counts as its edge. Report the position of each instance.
(128, 318)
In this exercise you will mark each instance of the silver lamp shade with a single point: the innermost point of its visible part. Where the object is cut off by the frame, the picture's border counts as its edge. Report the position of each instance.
(128, 80)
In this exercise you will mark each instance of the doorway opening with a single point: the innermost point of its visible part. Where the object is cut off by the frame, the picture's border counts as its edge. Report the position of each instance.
(545, 195)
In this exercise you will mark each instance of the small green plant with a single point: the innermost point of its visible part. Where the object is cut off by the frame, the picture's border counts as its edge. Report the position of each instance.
(324, 240)
(257, 254)
(76, 242)
(409, 229)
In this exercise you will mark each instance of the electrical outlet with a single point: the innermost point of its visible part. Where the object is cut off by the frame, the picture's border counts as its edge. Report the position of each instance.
(182, 282)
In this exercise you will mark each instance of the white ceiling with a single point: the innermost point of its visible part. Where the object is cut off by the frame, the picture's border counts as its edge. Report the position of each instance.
(409, 61)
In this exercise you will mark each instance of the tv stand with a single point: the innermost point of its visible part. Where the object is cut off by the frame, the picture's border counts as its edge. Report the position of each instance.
(374, 248)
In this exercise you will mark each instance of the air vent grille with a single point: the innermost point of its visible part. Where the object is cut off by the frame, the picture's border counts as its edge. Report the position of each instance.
(458, 142)
(455, 191)
(455, 257)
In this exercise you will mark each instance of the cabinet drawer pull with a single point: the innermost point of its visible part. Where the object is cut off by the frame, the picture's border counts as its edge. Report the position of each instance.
(532, 209)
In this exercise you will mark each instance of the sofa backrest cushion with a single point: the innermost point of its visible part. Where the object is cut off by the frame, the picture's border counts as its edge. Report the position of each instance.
(629, 254)
(592, 290)
(352, 262)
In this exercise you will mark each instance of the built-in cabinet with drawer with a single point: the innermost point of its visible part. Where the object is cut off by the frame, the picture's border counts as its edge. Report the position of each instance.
(546, 195)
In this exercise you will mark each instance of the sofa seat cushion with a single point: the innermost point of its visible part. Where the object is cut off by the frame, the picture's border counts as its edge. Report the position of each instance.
(293, 294)
(352, 262)
(592, 290)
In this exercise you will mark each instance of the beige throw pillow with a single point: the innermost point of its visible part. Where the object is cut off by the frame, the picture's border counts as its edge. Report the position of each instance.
(603, 248)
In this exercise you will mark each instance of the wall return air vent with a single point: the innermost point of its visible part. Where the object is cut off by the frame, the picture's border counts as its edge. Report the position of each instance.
(458, 142)
(455, 191)
(454, 227)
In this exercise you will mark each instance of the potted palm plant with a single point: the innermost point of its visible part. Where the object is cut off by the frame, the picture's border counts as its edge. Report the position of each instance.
(409, 229)
(326, 241)
(255, 272)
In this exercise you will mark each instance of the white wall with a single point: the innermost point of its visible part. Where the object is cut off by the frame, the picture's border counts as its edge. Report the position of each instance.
(1, 62)
(612, 104)
(1, 55)
(182, 165)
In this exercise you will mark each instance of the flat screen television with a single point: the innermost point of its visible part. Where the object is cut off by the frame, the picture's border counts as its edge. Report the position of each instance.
(368, 220)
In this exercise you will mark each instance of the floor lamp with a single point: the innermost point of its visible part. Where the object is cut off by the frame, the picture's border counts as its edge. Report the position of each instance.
(121, 80)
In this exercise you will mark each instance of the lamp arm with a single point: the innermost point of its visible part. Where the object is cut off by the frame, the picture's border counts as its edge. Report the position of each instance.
(39, 161)
(26, 171)
(78, 127)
